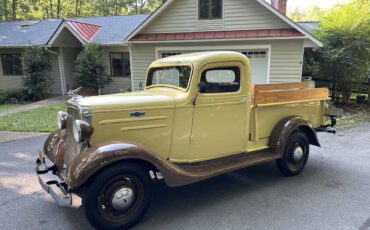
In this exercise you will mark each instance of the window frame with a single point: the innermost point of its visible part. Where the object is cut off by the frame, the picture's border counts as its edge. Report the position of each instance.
(170, 86)
(235, 69)
(210, 14)
(14, 73)
(123, 59)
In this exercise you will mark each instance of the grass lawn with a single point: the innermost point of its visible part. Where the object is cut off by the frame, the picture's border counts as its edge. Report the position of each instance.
(36, 120)
(7, 106)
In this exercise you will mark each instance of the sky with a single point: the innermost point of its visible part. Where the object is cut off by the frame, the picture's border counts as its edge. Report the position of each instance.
(303, 4)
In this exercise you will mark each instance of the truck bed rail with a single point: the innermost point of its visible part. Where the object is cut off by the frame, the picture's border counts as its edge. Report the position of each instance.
(287, 92)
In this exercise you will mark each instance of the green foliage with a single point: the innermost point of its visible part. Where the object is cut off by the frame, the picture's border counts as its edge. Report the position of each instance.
(36, 67)
(13, 96)
(345, 56)
(312, 13)
(89, 69)
(41, 9)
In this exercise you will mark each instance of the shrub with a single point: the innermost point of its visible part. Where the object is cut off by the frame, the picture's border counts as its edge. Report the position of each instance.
(345, 57)
(36, 67)
(14, 96)
(90, 70)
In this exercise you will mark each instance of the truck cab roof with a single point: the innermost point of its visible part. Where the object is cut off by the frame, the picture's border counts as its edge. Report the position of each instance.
(200, 58)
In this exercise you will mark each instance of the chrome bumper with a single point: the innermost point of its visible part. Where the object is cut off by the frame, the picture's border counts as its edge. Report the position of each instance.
(51, 183)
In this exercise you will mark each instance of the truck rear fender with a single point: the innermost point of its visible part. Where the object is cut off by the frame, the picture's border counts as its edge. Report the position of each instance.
(286, 127)
(95, 159)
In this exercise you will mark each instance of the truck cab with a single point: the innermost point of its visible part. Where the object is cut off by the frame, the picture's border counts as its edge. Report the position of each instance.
(198, 117)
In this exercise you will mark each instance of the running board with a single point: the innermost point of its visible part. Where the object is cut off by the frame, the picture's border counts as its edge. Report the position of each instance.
(193, 172)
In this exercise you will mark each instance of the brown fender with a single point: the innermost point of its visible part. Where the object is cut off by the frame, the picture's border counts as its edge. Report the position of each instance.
(89, 162)
(286, 127)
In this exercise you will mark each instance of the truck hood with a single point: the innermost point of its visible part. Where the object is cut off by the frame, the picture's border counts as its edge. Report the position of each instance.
(121, 101)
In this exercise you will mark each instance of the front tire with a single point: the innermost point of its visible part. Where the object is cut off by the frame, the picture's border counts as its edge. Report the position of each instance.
(295, 155)
(118, 197)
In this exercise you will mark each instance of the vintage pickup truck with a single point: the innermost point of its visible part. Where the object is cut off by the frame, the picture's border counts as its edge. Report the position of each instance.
(198, 117)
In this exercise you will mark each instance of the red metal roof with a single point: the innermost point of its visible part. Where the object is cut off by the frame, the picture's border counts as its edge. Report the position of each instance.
(85, 30)
(218, 35)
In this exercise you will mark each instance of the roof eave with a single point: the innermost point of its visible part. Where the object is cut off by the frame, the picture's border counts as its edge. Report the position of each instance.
(221, 40)
(150, 18)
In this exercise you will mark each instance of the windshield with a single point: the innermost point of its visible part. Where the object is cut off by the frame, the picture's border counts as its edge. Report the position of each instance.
(178, 76)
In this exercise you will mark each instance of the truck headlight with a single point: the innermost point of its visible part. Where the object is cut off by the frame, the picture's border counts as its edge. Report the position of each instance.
(62, 120)
(82, 130)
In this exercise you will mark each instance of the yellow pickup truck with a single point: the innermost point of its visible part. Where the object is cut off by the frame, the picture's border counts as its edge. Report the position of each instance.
(198, 117)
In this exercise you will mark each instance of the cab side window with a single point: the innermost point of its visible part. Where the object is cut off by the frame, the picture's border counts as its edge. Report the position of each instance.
(221, 80)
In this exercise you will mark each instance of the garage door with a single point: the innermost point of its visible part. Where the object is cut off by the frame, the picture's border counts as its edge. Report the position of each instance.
(258, 59)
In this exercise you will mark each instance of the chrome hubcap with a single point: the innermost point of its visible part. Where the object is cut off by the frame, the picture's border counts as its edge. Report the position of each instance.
(298, 154)
(123, 198)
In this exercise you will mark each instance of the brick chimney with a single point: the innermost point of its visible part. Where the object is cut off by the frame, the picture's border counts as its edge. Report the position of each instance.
(280, 5)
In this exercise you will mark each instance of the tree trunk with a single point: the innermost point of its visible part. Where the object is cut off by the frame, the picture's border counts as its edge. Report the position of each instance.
(58, 8)
(51, 8)
(6, 12)
(368, 90)
(14, 9)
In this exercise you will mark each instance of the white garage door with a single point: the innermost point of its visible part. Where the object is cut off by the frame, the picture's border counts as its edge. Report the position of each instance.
(258, 59)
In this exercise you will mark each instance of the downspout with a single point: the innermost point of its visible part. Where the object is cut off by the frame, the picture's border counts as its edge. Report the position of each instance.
(131, 66)
(61, 70)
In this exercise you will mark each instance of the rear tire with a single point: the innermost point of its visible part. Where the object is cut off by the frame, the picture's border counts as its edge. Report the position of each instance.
(295, 155)
(118, 197)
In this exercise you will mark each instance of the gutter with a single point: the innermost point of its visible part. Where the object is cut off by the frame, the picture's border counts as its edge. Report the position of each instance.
(61, 69)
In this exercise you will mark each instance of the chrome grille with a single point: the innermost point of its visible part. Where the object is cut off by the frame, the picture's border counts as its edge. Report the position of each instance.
(74, 112)
(72, 145)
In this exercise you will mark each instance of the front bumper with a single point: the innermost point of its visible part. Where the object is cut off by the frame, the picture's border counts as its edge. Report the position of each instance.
(50, 182)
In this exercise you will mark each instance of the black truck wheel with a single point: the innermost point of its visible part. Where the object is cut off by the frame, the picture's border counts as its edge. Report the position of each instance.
(295, 154)
(118, 197)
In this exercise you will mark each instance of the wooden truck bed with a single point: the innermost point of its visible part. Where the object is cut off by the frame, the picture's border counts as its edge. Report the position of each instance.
(287, 92)
(273, 102)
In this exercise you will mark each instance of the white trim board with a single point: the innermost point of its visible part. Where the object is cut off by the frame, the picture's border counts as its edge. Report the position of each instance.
(214, 48)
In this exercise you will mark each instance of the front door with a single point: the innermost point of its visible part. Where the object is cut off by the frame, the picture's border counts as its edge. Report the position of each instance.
(220, 112)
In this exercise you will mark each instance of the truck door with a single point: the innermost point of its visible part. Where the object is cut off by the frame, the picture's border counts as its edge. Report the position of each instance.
(219, 118)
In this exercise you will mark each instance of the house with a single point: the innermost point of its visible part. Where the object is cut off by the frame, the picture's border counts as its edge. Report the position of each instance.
(273, 43)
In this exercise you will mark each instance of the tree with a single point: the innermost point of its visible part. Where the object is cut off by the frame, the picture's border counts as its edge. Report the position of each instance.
(36, 67)
(89, 68)
(345, 57)
(312, 13)
(42, 9)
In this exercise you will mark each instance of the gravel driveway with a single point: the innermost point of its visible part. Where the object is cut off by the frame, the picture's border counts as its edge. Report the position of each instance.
(332, 193)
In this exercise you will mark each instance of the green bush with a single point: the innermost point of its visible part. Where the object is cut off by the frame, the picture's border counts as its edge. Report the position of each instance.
(89, 69)
(14, 96)
(36, 67)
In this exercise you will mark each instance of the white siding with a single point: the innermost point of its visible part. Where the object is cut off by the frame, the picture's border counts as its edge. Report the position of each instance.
(182, 16)
(69, 59)
(286, 61)
(9, 82)
(285, 64)
(54, 74)
(15, 82)
(250, 15)
(118, 83)
(142, 56)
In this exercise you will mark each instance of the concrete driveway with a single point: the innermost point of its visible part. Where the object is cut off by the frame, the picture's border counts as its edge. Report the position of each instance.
(332, 193)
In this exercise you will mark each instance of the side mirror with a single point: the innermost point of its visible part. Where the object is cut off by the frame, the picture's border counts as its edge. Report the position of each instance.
(202, 87)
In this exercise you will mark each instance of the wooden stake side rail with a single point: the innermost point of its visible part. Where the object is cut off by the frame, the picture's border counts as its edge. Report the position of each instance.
(282, 86)
(279, 93)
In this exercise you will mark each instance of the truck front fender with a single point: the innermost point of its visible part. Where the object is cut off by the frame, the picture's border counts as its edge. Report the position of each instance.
(96, 158)
(286, 127)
